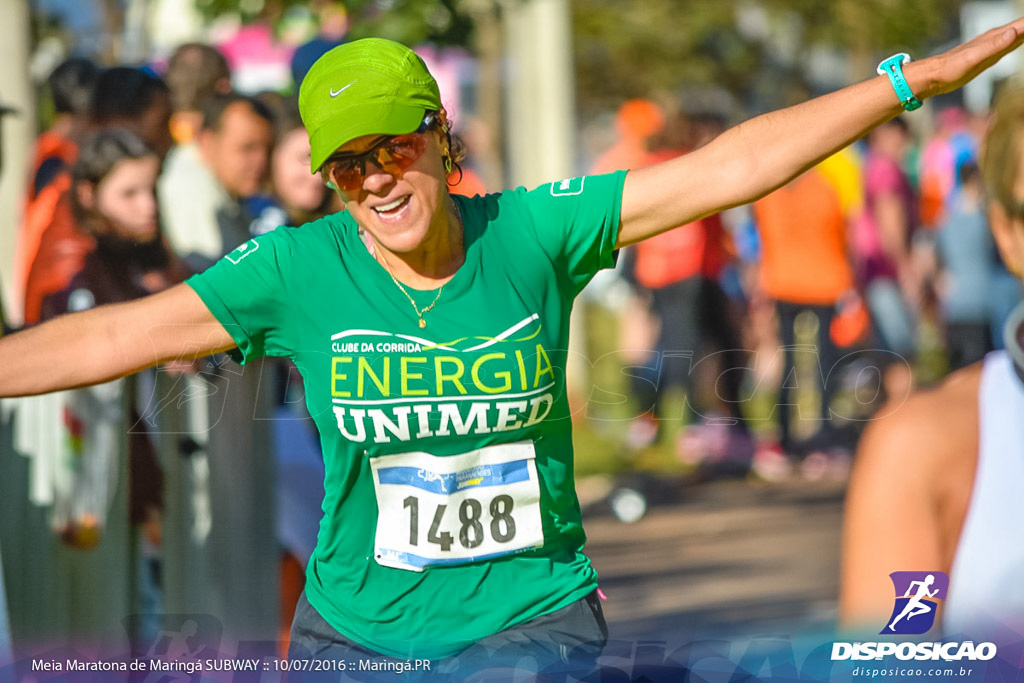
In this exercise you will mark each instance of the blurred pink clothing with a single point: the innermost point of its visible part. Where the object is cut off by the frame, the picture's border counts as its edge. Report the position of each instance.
(882, 177)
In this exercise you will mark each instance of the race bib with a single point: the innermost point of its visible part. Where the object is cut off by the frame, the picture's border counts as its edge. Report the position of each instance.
(452, 510)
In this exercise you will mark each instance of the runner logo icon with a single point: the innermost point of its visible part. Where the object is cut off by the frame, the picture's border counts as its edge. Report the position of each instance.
(917, 599)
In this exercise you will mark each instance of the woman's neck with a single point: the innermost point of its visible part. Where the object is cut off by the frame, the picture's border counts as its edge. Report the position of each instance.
(436, 260)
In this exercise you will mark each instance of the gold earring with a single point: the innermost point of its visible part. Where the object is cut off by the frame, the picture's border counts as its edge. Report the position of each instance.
(448, 164)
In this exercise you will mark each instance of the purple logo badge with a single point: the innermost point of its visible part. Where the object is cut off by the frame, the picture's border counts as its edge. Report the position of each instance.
(917, 598)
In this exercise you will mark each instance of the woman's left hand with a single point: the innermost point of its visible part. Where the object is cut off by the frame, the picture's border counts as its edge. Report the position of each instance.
(959, 65)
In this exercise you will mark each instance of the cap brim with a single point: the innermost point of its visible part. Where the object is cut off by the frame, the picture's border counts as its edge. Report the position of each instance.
(366, 119)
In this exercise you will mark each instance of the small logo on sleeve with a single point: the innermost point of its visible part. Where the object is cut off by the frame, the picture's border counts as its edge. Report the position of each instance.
(917, 600)
(243, 250)
(567, 187)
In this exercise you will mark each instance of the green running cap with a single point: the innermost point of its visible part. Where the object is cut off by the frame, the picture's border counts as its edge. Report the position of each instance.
(371, 86)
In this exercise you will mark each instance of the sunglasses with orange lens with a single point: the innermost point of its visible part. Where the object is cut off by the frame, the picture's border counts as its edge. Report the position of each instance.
(392, 155)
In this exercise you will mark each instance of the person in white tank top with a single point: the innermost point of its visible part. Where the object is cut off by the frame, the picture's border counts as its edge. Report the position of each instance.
(938, 482)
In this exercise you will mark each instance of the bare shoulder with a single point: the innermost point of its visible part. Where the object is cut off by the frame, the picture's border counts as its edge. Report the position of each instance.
(922, 455)
(931, 428)
(908, 493)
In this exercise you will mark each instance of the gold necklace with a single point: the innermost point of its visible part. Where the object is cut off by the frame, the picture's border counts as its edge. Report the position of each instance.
(426, 309)
(419, 313)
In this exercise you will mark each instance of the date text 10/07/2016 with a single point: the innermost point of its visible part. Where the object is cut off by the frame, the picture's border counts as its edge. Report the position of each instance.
(362, 664)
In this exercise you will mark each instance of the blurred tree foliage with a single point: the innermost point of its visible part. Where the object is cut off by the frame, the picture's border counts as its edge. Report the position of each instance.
(756, 51)
(442, 22)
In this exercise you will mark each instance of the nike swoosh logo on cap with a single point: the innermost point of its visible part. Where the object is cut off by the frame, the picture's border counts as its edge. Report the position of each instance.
(335, 93)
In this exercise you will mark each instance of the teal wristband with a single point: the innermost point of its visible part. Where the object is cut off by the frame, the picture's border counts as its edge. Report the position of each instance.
(893, 68)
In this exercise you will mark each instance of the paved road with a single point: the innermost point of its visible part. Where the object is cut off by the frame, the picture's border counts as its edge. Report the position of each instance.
(727, 559)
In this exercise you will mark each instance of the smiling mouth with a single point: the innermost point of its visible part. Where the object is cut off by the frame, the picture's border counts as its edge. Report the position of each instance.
(391, 207)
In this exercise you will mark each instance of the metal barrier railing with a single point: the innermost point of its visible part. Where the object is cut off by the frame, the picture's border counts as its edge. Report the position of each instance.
(219, 554)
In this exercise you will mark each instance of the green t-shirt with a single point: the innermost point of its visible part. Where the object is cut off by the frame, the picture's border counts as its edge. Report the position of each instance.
(450, 511)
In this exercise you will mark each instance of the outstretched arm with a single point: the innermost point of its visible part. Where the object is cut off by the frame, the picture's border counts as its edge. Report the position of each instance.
(109, 342)
(754, 158)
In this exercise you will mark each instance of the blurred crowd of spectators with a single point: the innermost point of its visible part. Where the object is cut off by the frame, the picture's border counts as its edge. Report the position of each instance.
(870, 274)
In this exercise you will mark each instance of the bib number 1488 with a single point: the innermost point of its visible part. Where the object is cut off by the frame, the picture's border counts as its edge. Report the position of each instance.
(470, 527)
(445, 511)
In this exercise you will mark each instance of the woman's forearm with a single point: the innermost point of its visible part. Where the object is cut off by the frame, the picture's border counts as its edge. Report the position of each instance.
(108, 342)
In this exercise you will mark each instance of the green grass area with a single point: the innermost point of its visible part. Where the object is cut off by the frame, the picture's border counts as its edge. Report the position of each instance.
(602, 423)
